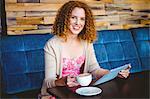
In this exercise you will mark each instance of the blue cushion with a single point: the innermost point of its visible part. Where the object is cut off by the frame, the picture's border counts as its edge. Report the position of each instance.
(142, 41)
(35, 79)
(23, 61)
(115, 48)
(16, 83)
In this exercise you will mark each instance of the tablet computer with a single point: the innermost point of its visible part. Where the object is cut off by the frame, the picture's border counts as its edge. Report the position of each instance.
(111, 75)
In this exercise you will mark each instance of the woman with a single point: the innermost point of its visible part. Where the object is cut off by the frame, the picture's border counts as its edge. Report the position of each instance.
(70, 52)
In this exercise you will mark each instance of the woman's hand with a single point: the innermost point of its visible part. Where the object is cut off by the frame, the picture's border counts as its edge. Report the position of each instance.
(61, 82)
(71, 81)
(124, 73)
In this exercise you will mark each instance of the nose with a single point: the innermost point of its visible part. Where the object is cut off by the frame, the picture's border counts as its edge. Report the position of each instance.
(77, 21)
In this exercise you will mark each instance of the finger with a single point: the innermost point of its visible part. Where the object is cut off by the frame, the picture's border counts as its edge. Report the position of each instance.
(48, 84)
(72, 84)
(71, 76)
(124, 71)
(120, 76)
(125, 75)
(75, 84)
(71, 79)
(129, 67)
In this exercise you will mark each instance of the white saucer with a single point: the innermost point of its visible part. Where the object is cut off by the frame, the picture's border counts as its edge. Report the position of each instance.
(88, 91)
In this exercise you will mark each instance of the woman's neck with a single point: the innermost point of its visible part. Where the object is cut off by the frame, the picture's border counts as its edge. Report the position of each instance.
(72, 38)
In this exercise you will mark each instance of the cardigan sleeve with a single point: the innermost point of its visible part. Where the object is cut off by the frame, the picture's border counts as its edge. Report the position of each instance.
(94, 67)
(50, 64)
(92, 61)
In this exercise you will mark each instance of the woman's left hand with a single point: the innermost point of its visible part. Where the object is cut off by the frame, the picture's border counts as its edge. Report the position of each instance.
(124, 73)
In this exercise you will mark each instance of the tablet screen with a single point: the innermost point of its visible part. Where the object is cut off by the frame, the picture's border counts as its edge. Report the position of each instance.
(111, 75)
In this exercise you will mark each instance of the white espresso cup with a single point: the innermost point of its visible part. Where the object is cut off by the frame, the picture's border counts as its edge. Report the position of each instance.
(84, 79)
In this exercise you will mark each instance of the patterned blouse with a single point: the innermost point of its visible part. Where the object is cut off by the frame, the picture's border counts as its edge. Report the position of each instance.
(72, 66)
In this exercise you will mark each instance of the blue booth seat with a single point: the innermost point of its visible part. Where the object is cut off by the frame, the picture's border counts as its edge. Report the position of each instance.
(115, 48)
(23, 62)
(142, 41)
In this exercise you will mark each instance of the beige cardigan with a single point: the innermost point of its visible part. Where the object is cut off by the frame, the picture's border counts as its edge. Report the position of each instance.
(53, 61)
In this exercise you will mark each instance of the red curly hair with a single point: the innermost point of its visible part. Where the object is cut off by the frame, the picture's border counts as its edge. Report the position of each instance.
(62, 22)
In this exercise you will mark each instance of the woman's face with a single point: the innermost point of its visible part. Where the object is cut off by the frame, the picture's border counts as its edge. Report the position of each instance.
(77, 20)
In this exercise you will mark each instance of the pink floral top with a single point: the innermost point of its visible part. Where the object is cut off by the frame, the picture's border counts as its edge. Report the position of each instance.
(72, 66)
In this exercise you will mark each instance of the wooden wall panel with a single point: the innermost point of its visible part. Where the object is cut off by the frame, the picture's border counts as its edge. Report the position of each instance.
(32, 7)
(21, 27)
(29, 20)
(53, 1)
(11, 14)
(37, 16)
(11, 21)
(40, 13)
(10, 1)
(28, 1)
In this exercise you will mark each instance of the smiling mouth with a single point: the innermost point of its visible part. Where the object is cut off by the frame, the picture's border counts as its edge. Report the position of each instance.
(76, 28)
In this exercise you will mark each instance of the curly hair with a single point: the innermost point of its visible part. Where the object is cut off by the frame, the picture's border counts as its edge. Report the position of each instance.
(61, 24)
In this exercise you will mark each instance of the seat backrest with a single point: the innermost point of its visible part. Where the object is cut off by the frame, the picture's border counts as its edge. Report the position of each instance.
(115, 48)
(23, 62)
(142, 40)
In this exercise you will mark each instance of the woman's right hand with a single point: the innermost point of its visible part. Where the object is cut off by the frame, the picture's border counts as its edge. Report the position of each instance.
(61, 82)
(71, 81)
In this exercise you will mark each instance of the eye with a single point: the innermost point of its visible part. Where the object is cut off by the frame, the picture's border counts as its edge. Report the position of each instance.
(73, 17)
(83, 19)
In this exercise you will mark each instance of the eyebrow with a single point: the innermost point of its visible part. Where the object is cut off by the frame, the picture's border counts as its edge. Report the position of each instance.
(76, 16)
